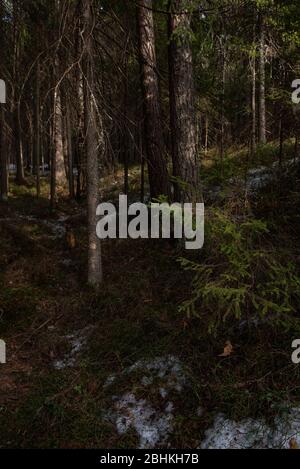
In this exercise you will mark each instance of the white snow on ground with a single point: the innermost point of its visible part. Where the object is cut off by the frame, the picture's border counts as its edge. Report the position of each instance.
(154, 425)
(57, 228)
(257, 178)
(12, 168)
(151, 424)
(77, 341)
(254, 434)
(168, 369)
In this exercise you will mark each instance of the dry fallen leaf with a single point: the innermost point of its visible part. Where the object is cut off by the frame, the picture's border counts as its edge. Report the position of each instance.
(228, 350)
(294, 444)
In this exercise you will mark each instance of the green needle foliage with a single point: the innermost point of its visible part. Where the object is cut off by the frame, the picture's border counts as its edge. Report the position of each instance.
(240, 278)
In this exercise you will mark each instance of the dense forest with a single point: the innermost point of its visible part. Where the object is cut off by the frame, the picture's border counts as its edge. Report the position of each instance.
(142, 343)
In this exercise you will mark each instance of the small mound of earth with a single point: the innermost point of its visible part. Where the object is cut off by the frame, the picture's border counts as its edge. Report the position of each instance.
(152, 424)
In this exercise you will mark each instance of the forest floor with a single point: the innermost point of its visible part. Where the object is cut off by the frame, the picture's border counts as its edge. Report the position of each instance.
(124, 368)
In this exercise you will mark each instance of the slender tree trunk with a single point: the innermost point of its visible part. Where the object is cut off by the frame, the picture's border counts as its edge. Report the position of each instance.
(20, 179)
(182, 109)
(81, 154)
(206, 135)
(253, 93)
(95, 275)
(253, 108)
(37, 131)
(125, 139)
(3, 159)
(125, 133)
(30, 160)
(154, 142)
(65, 141)
(52, 156)
(70, 150)
(222, 136)
(296, 148)
(60, 172)
(53, 168)
(3, 146)
(281, 139)
(80, 131)
(142, 160)
(262, 81)
(57, 167)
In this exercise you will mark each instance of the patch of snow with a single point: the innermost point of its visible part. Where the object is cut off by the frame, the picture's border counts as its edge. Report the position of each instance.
(151, 424)
(214, 192)
(77, 342)
(67, 262)
(287, 428)
(227, 434)
(254, 434)
(253, 172)
(57, 228)
(169, 407)
(258, 178)
(258, 182)
(167, 368)
(45, 168)
(110, 380)
(146, 381)
(163, 392)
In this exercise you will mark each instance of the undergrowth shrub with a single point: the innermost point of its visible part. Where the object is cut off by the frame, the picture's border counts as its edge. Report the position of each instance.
(241, 275)
(220, 172)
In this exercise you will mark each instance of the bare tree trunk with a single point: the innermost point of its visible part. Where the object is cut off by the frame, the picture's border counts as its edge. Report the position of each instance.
(296, 148)
(222, 136)
(20, 179)
(125, 139)
(142, 159)
(3, 159)
(37, 131)
(95, 274)
(3, 143)
(253, 93)
(57, 167)
(70, 149)
(60, 172)
(281, 139)
(206, 135)
(154, 142)
(52, 158)
(262, 81)
(52, 177)
(182, 109)
(253, 108)
(81, 154)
